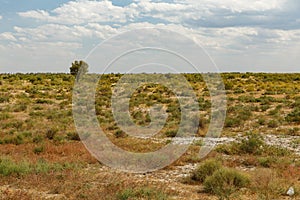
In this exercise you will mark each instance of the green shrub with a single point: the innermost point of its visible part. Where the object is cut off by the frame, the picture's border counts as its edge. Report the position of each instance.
(252, 144)
(4, 116)
(275, 111)
(141, 193)
(224, 182)
(16, 124)
(73, 136)
(17, 140)
(266, 161)
(4, 99)
(26, 134)
(39, 149)
(50, 134)
(261, 121)
(43, 101)
(59, 139)
(42, 166)
(171, 133)
(238, 91)
(37, 139)
(119, 134)
(20, 107)
(247, 99)
(294, 131)
(276, 151)
(264, 107)
(294, 116)
(206, 169)
(8, 167)
(244, 114)
(232, 122)
(273, 123)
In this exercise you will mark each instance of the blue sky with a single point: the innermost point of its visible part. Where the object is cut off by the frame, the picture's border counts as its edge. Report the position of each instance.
(244, 35)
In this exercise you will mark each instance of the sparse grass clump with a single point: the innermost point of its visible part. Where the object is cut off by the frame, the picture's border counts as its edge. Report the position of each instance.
(15, 139)
(73, 136)
(4, 116)
(267, 185)
(10, 167)
(51, 133)
(39, 149)
(273, 123)
(37, 139)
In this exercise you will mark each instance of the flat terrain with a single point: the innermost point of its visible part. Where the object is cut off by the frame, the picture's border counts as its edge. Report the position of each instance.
(42, 157)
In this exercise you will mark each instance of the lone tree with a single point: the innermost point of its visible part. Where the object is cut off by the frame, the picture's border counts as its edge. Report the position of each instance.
(79, 68)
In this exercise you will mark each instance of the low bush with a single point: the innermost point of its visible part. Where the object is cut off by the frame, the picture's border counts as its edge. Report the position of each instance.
(37, 139)
(266, 161)
(15, 139)
(73, 136)
(273, 123)
(294, 116)
(294, 131)
(50, 134)
(8, 167)
(141, 193)
(206, 169)
(171, 133)
(119, 134)
(20, 107)
(4, 99)
(232, 122)
(266, 184)
(276, 151)
(4, 116)
(39, 149)
(224, 182)
(252, 144)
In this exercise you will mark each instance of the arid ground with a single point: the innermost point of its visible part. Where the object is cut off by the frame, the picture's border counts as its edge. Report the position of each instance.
(256, 157)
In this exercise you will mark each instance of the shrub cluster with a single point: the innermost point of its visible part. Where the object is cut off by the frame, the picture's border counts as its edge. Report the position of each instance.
(219, 180)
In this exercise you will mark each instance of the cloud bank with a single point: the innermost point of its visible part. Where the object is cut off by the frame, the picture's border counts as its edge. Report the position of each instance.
(244, 35)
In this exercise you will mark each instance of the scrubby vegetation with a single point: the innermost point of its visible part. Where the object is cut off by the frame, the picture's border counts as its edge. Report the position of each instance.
(224, 182)
(39, 142)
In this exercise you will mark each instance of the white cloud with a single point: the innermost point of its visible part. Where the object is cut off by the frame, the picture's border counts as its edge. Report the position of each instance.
(193, 13)
(38, 57)
(101, 31)
(52, 32)
(236, 6)
(79, 12)
(7, 36)
(225, 28)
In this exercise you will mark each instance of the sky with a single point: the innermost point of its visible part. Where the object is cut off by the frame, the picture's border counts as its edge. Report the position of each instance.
(238, 35)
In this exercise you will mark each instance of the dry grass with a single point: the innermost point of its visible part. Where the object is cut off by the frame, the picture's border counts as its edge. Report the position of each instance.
(36, 124)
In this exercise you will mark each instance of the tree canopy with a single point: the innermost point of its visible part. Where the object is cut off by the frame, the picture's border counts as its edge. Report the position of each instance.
(79, 67)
